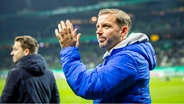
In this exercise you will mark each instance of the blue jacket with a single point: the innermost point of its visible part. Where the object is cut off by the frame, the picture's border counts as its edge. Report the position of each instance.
(123, 77)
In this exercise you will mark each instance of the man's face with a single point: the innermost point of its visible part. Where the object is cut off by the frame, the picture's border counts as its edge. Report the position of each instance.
(108, 32)
(17, 52)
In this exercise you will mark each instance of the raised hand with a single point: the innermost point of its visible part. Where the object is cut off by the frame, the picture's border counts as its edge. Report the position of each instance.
(66, 35)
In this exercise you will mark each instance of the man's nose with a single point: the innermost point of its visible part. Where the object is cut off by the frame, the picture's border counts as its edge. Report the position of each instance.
(99, 31)
(11, 53)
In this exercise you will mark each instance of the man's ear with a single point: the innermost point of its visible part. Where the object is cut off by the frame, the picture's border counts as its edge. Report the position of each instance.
(124, 32)
(26, 52)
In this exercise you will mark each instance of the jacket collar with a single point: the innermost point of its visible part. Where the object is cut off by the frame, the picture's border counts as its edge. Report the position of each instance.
(131, 39)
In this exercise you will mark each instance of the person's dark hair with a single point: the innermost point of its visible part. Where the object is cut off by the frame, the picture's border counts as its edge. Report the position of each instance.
(28, 42)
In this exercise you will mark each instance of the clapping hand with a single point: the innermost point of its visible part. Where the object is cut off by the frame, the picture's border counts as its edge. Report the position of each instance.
(66, 35)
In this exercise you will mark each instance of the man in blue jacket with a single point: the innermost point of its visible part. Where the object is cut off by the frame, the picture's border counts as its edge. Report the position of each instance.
(30, 81)
(124, 75)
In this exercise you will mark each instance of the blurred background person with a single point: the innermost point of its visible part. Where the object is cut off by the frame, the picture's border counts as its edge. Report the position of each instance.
(30, 81)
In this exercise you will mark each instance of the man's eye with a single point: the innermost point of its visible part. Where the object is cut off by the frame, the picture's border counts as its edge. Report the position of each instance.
(106, 26)
(14, 48)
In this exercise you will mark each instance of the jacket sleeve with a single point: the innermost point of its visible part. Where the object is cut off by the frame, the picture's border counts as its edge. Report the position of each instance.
(102, 81)
(11, 88)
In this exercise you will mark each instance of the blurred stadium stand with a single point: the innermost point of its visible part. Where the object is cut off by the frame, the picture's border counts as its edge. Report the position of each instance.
(161, 20)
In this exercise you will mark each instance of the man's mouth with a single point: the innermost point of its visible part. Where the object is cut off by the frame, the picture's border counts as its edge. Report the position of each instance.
(101, 39)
